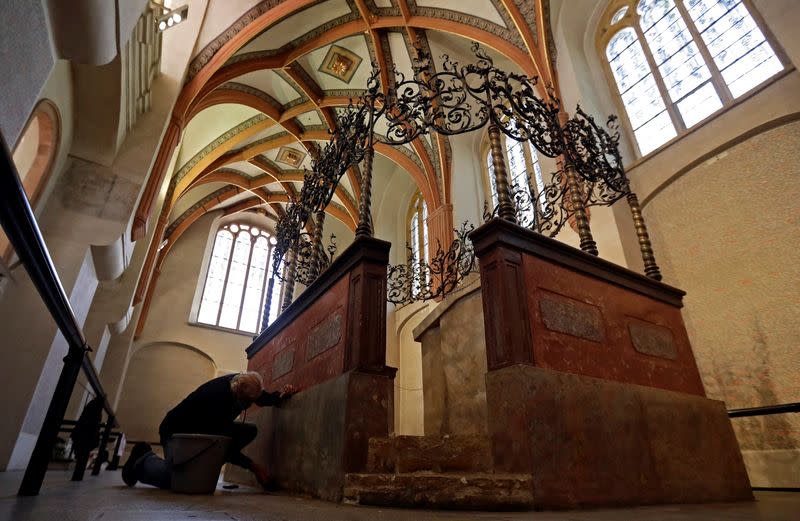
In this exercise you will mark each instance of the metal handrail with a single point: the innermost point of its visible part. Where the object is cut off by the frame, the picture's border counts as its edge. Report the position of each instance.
(22, 230)
(764, 410)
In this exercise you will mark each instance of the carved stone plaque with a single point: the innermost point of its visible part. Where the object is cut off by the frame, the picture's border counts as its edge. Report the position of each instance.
(653, 340)
(283, 363)
(572, 317)
(324, 336)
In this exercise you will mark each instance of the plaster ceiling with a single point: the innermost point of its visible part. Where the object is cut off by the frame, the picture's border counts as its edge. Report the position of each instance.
(267, 92)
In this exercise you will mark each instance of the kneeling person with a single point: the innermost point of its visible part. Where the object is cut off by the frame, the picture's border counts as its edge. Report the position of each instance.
(211, 409)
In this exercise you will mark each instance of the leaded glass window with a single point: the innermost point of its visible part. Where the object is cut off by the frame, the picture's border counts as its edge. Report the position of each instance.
(417, 231)
(676, 62)
(525, 175)
(236, 282)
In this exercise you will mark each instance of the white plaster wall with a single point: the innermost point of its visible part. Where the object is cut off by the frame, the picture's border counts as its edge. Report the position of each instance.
(169, 317)
(25, 26)
(159, 376)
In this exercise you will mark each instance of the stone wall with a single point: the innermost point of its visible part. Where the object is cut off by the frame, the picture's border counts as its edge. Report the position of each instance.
(454, 364)
(732, 247)
(330, 344)
(589, 442)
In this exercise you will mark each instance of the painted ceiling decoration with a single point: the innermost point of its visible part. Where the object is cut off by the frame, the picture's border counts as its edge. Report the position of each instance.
(293, 63)
(340, 63)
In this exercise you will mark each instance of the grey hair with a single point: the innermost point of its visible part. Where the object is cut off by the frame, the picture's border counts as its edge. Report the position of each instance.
(247, 385)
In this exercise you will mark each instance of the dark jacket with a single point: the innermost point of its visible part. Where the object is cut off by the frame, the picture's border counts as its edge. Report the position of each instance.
(209, 409)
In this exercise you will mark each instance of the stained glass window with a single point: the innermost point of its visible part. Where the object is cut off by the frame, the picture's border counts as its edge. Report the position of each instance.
(619, 15)
(663, 73)
(418, 238)
(519, 170)
(637, 86)
(736, 44)
(236, 281)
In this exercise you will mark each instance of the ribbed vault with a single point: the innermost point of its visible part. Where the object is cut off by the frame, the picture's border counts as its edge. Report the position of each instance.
(267, 88)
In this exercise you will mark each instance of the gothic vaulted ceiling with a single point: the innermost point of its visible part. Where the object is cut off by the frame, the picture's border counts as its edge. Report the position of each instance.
(261, 97)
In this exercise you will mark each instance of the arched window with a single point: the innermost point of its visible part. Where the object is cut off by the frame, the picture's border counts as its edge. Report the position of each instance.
(676, 62)
(236, 282)
(34, 157)
(521, 161)
(417, 236)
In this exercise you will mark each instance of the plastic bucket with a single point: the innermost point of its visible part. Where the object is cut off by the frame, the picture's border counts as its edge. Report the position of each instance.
(196, 462)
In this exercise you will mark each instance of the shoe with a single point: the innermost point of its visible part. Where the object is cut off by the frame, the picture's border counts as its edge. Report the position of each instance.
(129, 469)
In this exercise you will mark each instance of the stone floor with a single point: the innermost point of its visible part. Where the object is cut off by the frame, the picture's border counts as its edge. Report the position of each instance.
(105, 498)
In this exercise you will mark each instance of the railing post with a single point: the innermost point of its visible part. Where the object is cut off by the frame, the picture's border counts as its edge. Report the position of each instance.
(318, 255)
(575, 195)
(42, 451)
(364, 228)
(268, 303)
(102, 450)
(288, 289)
(645, 246)
(506, 209)
(114, 462)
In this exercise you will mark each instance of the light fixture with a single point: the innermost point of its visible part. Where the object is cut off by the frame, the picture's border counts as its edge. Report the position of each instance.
(170, 17)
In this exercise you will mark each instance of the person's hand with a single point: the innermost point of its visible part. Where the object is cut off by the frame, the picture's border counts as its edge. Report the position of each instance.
(287, 391)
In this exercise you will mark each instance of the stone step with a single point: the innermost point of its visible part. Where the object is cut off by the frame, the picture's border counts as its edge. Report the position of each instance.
(401, 454)
(460, 491)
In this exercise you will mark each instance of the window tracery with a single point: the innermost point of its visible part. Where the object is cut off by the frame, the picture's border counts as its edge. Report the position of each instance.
(417, 238)
(521, 160)
(235, 286)
(676, 62)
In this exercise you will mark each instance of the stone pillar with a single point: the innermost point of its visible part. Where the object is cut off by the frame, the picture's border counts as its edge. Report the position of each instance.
(367, 306)
(505, 300)
(331, 345)
(440, 228)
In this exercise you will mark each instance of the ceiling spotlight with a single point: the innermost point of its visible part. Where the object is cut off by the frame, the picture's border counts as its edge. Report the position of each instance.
(170, 17)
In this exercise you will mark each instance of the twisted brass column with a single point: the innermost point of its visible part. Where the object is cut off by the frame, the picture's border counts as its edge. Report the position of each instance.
(319, 251)
(364, 228)
(578, 210)
(650, 266)
(267, 303)
(288, 289)
(587, 243)
(506, 208)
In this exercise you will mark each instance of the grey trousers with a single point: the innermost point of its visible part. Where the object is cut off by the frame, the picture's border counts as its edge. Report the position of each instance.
(155, 471)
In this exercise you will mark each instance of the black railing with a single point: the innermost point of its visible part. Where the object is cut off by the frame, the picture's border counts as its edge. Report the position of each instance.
(23, 232)
(67, 426)
(767, 410)
(764, 410)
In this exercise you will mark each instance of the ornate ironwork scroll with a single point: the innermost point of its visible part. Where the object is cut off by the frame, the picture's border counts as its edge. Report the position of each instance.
(418, 280)
(595, 154)
(456, 100)
(347, 147)
(460, 99)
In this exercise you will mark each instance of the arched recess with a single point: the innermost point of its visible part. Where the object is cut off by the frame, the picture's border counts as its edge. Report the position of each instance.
(159, 375)
(34, 156)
